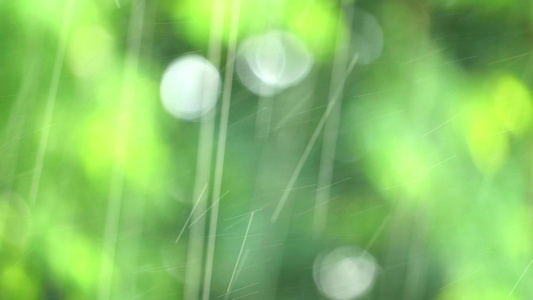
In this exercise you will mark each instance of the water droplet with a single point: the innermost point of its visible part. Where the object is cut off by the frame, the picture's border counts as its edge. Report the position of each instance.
(190, 87)
(345, 273)
(268, 63)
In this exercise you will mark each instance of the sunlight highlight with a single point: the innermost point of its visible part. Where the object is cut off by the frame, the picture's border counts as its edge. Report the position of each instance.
(190, 87)
(345, 273)
(268, 63)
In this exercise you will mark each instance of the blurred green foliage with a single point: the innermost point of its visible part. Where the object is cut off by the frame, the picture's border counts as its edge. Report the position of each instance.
(432, 172)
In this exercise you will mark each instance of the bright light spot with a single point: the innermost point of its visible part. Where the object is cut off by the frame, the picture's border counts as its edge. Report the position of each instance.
(345, 273)
(90, 51)
(190, 87)
(268, 63)
(487, 139)
(512, 103)
(366, 37)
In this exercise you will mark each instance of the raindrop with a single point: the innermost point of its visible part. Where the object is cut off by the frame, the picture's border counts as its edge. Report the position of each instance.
(345, 273)
(190, 87)
(268, 63)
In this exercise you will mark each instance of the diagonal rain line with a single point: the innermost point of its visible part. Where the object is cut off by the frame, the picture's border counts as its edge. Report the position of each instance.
(306, 153)
(210, 207)
(445, 122)
(244, 287)
(240, 254)
(519, 279)
(331, 128)
(190, 215)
